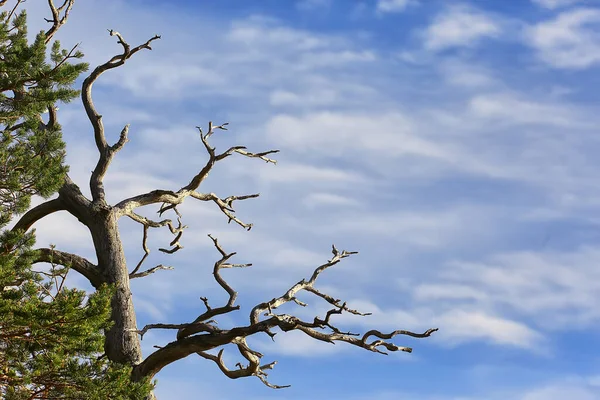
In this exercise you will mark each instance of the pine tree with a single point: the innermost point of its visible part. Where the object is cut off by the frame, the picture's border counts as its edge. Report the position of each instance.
(51, 337)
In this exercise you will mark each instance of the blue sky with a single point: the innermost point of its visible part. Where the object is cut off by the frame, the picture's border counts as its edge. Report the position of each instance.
(454, 144)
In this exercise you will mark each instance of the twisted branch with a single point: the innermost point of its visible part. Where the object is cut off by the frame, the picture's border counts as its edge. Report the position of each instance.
(170, 199)
(38, 212)
(200, 336)
(197, 325)
(226, 205)
(106, 152)
(253, 369)
(290, 295)
(149, 271)
(57, 20)
(148, 223)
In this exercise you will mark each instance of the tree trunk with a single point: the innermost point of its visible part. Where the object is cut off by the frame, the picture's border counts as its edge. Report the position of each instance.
(122, 343)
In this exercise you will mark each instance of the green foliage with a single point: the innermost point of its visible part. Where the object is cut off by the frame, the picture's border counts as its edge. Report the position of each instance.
(31, 152)
(51, 337)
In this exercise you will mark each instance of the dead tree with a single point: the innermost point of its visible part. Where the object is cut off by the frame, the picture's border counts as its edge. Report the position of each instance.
(201, 335)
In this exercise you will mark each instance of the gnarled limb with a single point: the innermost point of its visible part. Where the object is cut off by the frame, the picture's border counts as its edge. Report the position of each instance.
(226, 205)
(75, 202)
(106, 151)
(73, 261)
(253, 369)
(198, 324)
(38, 212)
(201, 336)
(148, 223)
(149, 271)
(290, 295)
(170, 198)
(69, 199)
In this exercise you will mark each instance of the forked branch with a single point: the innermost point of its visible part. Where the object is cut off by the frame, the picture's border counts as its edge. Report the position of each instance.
(201, 336)
(106, 152)
(148, 223)
(58, 20)
(198, 324)
(170, 199)
(252, 369)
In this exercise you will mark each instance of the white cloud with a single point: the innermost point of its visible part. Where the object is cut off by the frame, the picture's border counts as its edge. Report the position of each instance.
(570, 41)
(467, 75)
(458, 27)
(427, 229)
(296, 172)
(554, 4)
(317, 199)
(392, 6)
(448, 291)
(459, 325)
(335, 133)
(556, 290)
(561, 391)
(508, 108)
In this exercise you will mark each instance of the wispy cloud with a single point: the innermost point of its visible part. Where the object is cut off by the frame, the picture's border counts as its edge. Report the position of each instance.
(459, 26)
(534, 285)
(571, 40)
(561, 390)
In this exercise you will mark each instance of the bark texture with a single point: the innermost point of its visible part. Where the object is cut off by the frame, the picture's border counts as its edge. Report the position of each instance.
(121, 344)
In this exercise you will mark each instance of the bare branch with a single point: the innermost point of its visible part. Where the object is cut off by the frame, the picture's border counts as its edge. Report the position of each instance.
(189, 342)
(290, 295)
(206, 327)
(122, 139)
(253, 369)
(73, 261)
(335, 302)
(75, 202)
(146, 251)
(226, 205)
(69, 198)
(37, 213)
(148, 223)
(106, 152)
(211, 312)
(149, 271)
(58, 20)
(170, 198)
